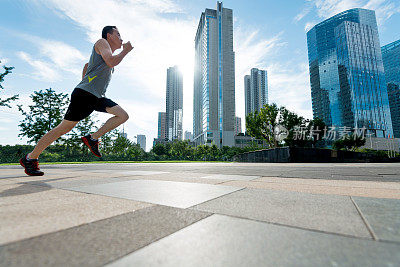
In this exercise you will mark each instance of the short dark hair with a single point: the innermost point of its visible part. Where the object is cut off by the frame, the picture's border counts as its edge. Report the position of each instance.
(107, 29)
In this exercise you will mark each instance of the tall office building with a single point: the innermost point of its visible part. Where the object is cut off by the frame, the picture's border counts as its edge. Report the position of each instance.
(188, 135)
(238, 125)
(141, 141)
(214, 79)
(391, 63)
(255, 90)
(347, 78)
(161, 126)
(174, 104)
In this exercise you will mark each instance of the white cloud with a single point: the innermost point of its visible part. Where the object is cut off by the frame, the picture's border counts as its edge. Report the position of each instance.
(3, 60)
(327, 8)
(63, 56)
(289, 86)
(251, 51)
(42, 70)
(57, 56)
(303, 13)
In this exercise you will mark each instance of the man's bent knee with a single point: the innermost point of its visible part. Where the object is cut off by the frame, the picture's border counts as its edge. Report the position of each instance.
(125, 116)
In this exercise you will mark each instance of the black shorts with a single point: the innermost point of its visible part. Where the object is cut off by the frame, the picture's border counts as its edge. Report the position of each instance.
(84, 103)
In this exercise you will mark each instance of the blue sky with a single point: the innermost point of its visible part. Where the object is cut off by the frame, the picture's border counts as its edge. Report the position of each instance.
(49, 41)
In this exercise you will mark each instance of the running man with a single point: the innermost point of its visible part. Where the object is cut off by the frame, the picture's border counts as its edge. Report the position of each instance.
(89, 95)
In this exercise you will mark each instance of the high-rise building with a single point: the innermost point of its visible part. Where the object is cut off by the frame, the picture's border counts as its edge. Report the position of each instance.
(347, 78)
(214, 79)
(391, 63)
(161, 125)
(174, 104)
(141, 141)
(188, 135)
(238, 125)
(255, 90)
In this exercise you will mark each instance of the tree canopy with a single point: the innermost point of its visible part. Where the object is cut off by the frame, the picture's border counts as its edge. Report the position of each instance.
(44, 114)
(5, 102)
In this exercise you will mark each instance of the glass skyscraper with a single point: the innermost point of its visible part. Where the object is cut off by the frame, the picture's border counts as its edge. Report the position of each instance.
(161, 126)
(174, 104)
(391, 63)
(214, 79)
(348, 86)
(141, 141)
(255, 90)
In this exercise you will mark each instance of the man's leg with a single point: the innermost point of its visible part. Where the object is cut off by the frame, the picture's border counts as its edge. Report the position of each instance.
(120, 116)
(64, 127)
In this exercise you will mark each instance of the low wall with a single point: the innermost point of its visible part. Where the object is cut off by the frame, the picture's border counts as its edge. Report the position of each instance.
(304, 155)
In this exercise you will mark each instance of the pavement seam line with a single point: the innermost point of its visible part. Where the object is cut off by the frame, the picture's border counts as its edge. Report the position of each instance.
(371, 231)
(68, 228)
(192, 207)
(160, 238)
(301, 228)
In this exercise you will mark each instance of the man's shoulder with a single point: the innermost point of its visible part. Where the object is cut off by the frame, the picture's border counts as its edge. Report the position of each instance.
(100, 44)
(101, 41)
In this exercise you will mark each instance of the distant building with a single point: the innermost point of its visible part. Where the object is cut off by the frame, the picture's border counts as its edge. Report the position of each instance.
(174, 104)
(347, 78)
(238, 125)
(160, 141)
(391, 63)
(214, 79)
(141, 141)
(255, 90)
(161, 125)
(125, 135)
(188, 135)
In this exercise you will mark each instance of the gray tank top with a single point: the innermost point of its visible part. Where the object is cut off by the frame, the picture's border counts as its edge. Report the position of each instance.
(97, 77)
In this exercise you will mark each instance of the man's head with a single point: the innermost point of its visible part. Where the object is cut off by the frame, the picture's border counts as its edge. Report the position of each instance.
(111, 34)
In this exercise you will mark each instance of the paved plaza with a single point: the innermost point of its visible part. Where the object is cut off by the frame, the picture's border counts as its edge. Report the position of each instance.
(201, 214)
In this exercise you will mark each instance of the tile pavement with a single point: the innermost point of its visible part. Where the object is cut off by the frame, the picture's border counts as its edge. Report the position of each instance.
(201, 214)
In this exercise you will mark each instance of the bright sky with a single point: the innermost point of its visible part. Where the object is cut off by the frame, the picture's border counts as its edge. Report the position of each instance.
(49, 41)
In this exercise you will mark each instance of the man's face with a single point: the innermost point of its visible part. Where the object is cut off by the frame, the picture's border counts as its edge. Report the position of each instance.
(115, 38)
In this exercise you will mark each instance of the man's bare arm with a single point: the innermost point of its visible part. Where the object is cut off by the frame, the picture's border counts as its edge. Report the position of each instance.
(105, 51)
(84, 70)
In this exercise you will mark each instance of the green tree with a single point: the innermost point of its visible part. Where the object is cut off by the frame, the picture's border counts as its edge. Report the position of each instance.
(200, 152)
(107, 140)
(5, 102)
(291, 121)
(84, 127)
(213, 152)
(181, 150)
(46, 113)
(262, 124)
(135, 152)
(159, 149)
(349, 142)
(123, 148)
(121, 145)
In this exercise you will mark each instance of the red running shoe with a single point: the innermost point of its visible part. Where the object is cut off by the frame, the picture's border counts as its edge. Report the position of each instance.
(92, 145)
(31, 166)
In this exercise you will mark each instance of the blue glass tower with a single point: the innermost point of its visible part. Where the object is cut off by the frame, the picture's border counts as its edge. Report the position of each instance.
(391, 63)
(348, 86)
